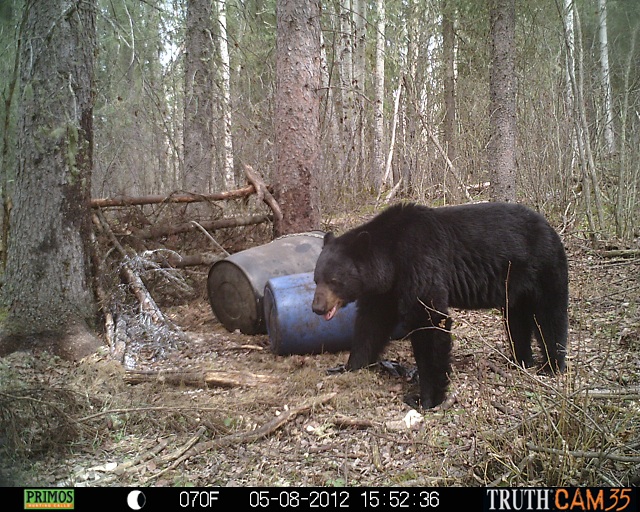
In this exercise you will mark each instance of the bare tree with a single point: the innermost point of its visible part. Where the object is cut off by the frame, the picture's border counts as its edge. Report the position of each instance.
(502, 90)
(297, 112)
(48, 288)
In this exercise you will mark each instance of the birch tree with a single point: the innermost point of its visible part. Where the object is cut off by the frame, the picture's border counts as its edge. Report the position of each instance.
(228, 166)
(609, 138)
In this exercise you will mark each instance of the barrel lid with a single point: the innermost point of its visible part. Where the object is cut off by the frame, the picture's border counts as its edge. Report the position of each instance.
(233, 299)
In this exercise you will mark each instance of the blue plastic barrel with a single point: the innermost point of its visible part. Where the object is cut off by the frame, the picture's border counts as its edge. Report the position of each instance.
(294, 328)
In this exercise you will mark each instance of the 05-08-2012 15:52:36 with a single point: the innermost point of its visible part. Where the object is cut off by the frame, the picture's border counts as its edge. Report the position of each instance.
(371, 498)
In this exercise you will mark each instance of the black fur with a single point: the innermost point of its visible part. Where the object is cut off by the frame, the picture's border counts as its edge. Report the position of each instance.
(411, 263)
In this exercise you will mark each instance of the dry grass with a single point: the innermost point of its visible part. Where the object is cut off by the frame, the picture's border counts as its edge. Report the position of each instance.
(81, 424)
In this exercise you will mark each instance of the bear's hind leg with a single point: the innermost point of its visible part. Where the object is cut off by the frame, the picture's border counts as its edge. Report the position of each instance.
(551, 326)
(520, 327)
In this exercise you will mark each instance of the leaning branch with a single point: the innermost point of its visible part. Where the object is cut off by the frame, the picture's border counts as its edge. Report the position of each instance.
(263, 193)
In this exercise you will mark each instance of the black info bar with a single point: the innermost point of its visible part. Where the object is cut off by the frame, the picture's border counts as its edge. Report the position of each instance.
(151, 499)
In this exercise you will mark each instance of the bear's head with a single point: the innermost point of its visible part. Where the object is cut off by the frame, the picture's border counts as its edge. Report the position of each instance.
(338, 273)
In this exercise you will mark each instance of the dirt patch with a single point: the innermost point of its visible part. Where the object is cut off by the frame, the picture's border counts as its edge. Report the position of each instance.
(83, 424)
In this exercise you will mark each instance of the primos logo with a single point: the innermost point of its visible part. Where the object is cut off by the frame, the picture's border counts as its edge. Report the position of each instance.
(47, 499)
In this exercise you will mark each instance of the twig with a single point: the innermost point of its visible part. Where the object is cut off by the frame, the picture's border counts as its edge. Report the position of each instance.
(620, 253)
(257, 434)
(158, 408)
(631, 393)
(208, 235)
(583, 454)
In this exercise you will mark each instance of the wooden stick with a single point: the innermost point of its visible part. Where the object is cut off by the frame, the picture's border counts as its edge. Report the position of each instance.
(203, 378)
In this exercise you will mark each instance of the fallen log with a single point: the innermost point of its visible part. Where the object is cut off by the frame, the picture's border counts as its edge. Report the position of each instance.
(172, 229)
(172, 198)
(175, 260)
(620, 253)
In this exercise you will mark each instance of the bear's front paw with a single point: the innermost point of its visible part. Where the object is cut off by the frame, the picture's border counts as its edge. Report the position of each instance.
(341, 368)
(425, 402)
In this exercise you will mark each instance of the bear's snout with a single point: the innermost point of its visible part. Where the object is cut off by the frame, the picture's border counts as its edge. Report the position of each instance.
(325, 302)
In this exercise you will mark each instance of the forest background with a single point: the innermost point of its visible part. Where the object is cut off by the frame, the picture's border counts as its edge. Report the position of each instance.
(184, 96)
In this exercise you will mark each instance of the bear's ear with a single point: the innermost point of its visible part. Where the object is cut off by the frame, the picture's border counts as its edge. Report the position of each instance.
(328, 238)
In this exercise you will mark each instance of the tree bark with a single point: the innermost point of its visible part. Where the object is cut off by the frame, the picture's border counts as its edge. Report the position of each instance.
(198, 128)
(48, 288)
(448, 56)
(297, 116)
(502, 90)
(378, 108)
(609, 138)
(228, 172)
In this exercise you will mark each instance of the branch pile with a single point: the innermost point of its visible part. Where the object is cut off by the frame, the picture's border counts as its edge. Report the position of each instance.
(144, 241)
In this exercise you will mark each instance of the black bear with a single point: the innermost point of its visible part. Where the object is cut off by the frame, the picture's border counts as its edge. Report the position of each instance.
(410, 263)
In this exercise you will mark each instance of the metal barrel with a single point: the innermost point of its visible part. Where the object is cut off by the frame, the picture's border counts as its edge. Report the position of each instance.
(235, 285)
(294, 328)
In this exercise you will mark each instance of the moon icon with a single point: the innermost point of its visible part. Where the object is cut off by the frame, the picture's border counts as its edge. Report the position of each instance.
(136, 500)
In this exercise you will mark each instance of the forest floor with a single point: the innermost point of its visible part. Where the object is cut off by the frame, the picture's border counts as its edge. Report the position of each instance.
(286, 421)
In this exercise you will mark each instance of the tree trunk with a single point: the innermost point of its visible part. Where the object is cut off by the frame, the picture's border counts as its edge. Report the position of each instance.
(378, 107)
(606, 79)
(448, 55)
(48, 289)
(198, 128)
(228, 172)
(347, 92)
(297, 112)
(570, 73)
(359, 80)
(502, 89)
(627, 186)
(587, 160)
